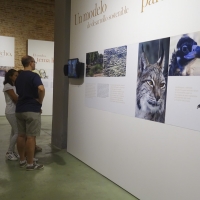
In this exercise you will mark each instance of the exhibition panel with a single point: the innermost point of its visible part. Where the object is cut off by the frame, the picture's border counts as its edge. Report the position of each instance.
(43, 53)
(137, 108)
(7, 58)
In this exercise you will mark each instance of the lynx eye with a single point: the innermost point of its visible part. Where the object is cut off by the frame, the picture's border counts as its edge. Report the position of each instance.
(162, 85)
(150, 83)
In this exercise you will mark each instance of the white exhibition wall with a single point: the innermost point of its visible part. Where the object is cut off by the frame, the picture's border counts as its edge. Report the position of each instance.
(43, 53)
(150, 160)
(7, 58)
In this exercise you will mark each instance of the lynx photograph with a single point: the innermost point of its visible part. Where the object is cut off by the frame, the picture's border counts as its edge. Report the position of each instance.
(152, 76)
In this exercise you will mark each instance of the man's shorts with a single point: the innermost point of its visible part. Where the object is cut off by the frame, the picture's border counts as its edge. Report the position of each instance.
(29, 123)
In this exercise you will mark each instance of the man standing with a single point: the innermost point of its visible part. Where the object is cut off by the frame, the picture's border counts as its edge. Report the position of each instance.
(28, 112)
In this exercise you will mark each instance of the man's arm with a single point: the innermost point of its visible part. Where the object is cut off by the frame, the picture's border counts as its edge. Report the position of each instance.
(12, 95)
(41, 93)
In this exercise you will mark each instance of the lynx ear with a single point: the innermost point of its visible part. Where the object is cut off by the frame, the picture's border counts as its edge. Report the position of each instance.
(143, 61)
(160, 60)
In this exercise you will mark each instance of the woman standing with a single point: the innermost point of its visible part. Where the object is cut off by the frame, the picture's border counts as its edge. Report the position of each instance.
(11, 99)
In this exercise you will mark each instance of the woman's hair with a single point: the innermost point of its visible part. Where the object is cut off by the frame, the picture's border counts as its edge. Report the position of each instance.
(8, 74)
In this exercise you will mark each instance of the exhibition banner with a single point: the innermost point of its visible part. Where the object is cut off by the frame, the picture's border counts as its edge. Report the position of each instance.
(7, 51)
(43, 53)
(7, 59)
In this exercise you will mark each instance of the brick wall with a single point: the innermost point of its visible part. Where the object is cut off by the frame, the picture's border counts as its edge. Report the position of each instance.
(26, 19)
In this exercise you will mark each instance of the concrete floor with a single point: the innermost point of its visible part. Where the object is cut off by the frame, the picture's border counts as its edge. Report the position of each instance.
(63, 178)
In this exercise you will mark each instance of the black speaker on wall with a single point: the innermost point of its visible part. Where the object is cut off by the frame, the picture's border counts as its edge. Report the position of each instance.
(65, 70)
(74, 68)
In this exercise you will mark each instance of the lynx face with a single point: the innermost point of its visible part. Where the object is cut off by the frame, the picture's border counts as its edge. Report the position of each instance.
(151, 88)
